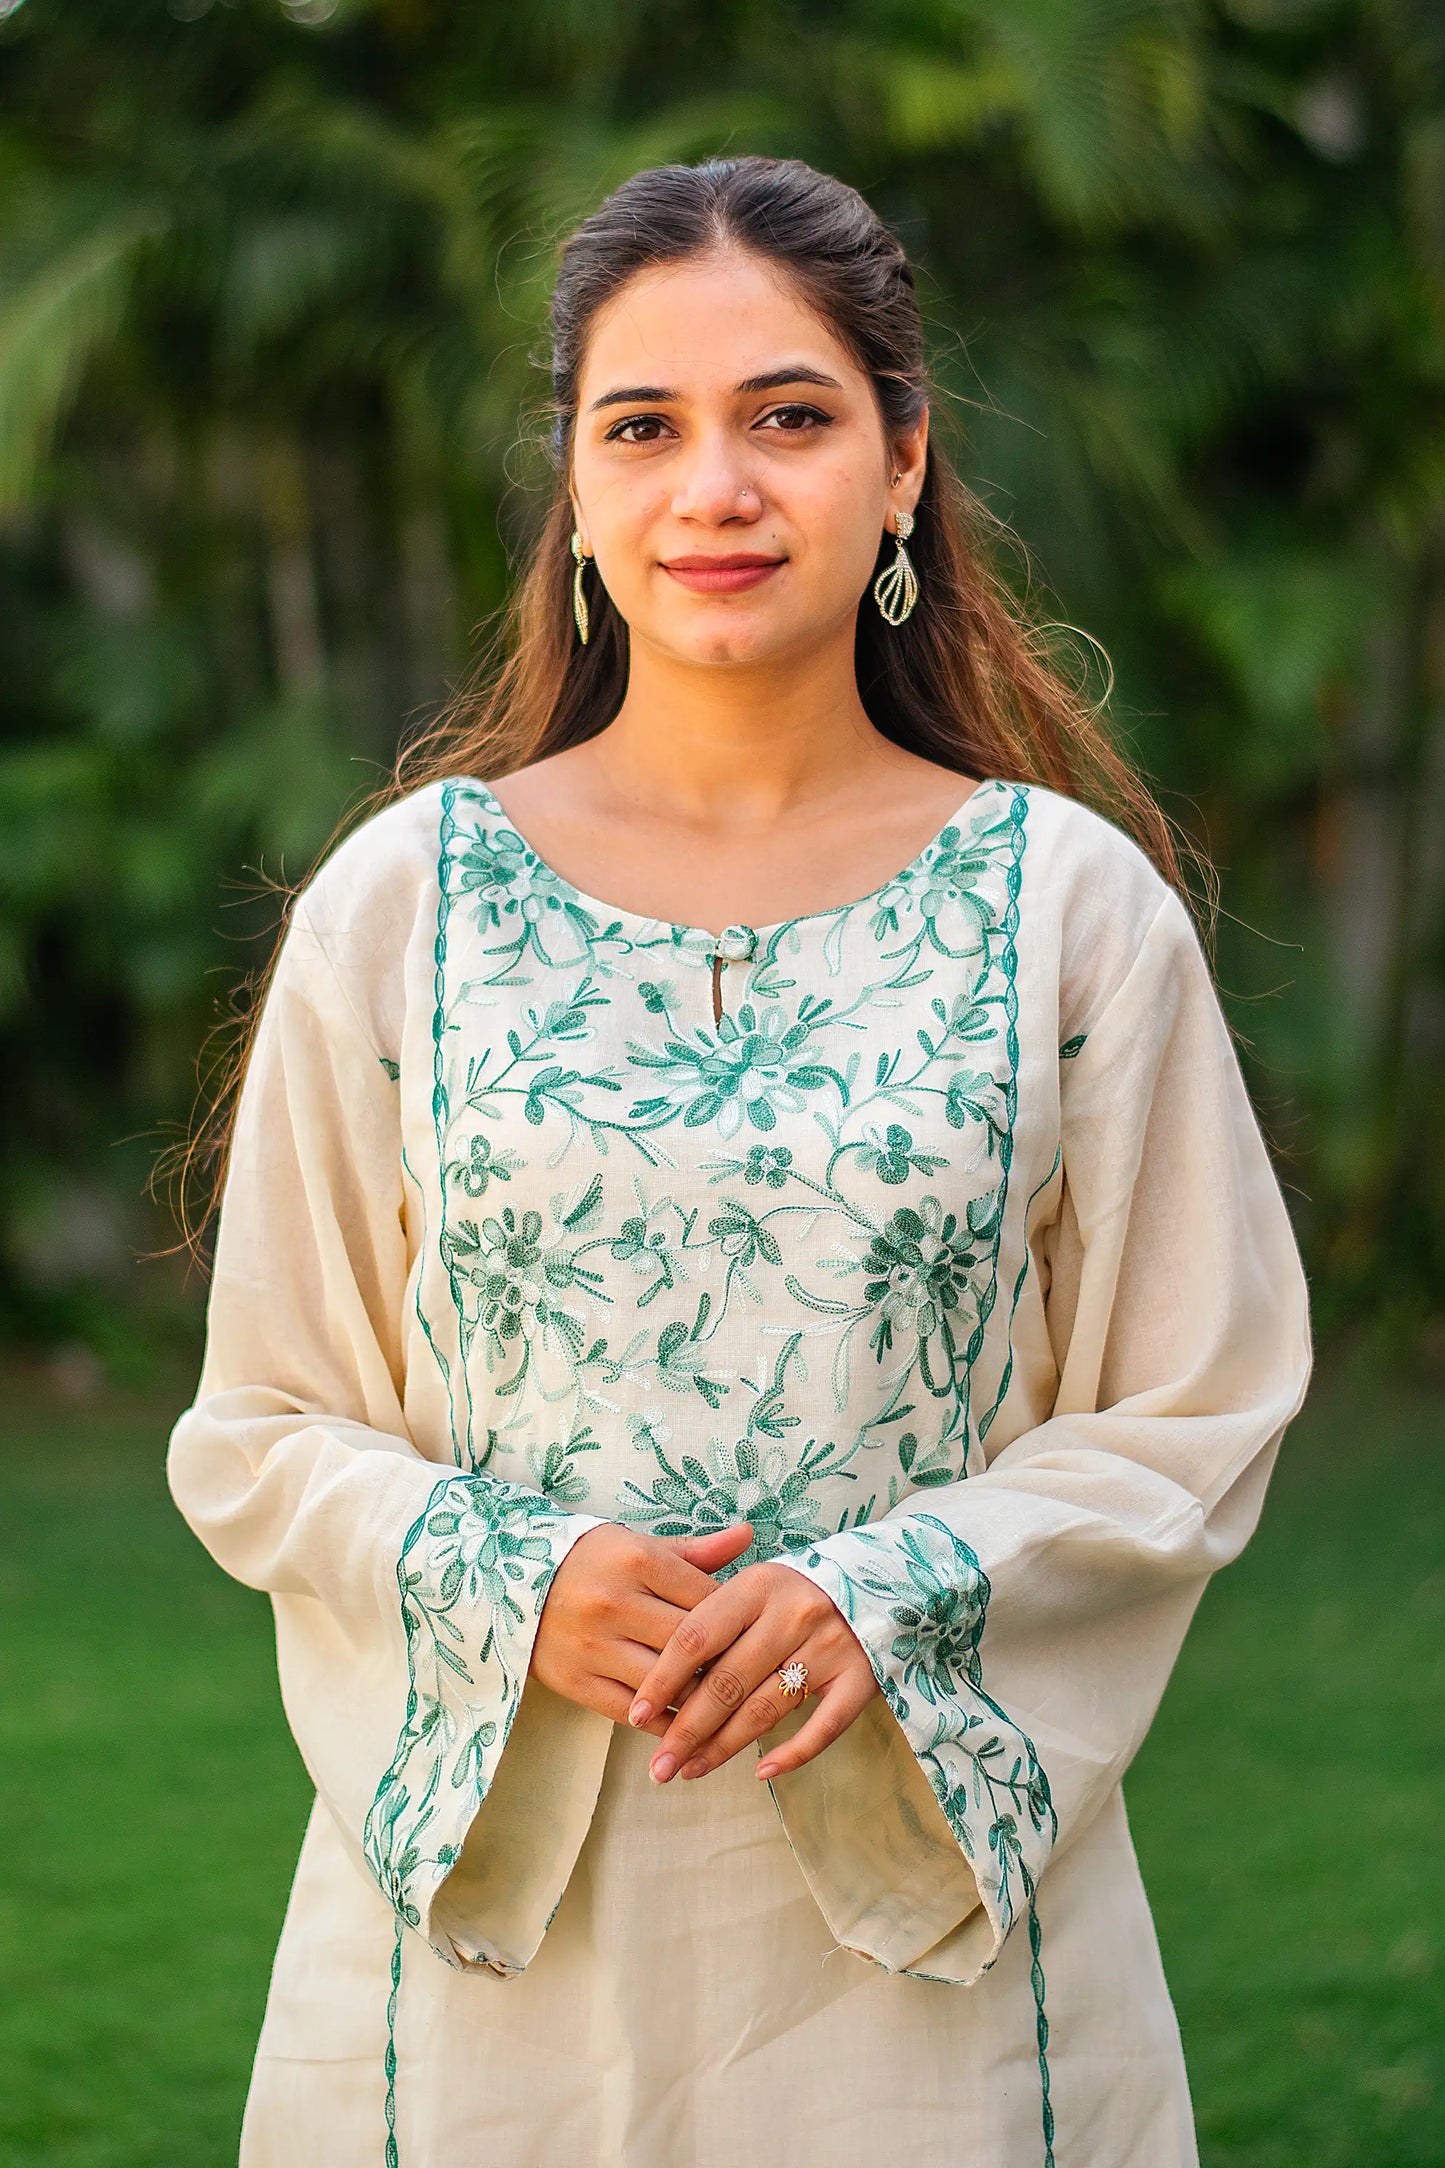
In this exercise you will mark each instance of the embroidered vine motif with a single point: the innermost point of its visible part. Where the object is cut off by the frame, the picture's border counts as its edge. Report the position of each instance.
(917, 1597)
(852, 1114)
(472, 1577)
(392, 2155)
(682, 1268)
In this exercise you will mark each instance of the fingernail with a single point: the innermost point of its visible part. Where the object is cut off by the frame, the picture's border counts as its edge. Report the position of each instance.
(697, 1767)
(639, 1712)
(662, 1768)
(767, 1769)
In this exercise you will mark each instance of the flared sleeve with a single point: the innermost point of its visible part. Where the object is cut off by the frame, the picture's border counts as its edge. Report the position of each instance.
(1022, 1623)
(398, 1583)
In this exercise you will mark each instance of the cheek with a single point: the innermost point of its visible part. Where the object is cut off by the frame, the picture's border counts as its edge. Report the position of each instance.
(839, 534)
(628, 521)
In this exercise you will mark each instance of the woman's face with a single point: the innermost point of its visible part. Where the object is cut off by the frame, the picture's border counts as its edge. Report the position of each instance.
(718, 419)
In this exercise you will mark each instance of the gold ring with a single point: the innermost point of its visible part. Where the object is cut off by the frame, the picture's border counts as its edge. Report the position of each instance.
(793, 1678)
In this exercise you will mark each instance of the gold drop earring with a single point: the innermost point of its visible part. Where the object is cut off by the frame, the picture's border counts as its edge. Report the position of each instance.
(579, 598)
(896, 588)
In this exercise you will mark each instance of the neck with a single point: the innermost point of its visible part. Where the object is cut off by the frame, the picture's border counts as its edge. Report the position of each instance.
(710, 744)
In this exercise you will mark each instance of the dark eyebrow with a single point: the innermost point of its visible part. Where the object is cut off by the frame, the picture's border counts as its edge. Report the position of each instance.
(793, 372)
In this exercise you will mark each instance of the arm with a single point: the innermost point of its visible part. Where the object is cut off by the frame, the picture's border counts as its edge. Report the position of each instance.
(408, 1595)
(1022, 1624)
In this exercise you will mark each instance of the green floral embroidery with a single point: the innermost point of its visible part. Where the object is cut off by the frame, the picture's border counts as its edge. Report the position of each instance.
(732, 1481)
(472, 1577)
(761, 1254)
(483, 1165)
(917, 1597)
(921, 1268)
(768, 1163)
(852, 1109)
(892, 1157)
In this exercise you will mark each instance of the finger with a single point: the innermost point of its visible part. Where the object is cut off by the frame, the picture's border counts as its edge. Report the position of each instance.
(647, 1620)
(700, 1738)
(629, 1663)
(668, 1574)
(712, 1626)
(718, 1548)
(610, 1697)
(740, 1688)
(839, 1704)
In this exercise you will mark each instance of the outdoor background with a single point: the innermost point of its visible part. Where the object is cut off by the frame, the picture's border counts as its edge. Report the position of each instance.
(273, 276)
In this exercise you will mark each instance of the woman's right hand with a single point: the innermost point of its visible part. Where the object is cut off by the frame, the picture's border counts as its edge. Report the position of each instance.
(612, 1606)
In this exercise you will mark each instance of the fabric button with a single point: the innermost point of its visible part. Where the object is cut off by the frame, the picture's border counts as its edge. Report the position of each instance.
(736, 944)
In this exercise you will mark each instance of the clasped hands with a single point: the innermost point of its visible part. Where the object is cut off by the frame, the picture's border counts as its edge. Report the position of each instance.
(635, 1626)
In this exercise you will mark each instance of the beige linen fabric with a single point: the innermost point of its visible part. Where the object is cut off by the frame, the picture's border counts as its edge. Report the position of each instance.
(954, 1259)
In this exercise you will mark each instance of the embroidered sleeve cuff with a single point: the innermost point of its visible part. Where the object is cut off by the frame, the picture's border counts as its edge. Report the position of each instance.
(473, 1576)
(916, 1597)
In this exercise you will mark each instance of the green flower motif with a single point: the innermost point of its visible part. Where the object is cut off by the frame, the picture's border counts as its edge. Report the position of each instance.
(507, 879)
(737, 1480)
(768, 1163)
(649, 1251)
(940, 1624)
(934, 881)
(892, 1157)
(649, 1433)
(743, 1238)
(973, 1096)
(919, 1271)
(518, 1278)
(744, 1072)
(483, 1165)
(682, 1360)
(485, 1556)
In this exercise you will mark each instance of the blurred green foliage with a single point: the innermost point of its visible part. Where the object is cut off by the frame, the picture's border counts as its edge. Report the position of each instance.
(273, 275)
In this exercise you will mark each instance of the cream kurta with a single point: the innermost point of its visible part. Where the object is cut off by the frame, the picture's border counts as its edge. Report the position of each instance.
(953, 1259)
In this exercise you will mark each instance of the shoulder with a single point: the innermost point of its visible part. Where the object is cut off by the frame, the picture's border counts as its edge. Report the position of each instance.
(371, 902)
(1090, 881)
(388, 860)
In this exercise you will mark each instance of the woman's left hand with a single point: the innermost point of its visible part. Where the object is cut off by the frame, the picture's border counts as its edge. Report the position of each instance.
(762, 1618)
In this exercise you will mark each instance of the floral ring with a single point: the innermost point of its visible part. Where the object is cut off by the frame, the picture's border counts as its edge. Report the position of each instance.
(793, 1679)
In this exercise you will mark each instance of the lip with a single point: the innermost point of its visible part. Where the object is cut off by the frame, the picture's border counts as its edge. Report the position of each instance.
(721, 575)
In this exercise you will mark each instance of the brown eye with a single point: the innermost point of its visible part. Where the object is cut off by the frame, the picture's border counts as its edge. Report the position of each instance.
(796, 420)
(634, 421)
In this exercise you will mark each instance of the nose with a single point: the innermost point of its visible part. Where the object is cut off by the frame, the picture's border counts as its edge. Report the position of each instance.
(715, 482)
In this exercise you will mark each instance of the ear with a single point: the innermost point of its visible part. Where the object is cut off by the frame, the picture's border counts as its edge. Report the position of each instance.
(910, 464)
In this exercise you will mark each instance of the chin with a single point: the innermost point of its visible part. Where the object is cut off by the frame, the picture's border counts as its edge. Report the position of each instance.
(741, 644)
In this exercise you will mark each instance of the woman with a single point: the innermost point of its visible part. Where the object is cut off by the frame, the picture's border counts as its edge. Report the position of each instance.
(749, 1301)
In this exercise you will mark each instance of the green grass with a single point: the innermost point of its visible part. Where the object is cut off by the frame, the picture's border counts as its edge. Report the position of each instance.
(1286, 1806)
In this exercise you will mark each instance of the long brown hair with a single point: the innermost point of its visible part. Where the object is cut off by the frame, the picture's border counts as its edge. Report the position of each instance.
(970, 680)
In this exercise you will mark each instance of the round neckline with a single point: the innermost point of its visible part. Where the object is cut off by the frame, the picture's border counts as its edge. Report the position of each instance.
(692, 934)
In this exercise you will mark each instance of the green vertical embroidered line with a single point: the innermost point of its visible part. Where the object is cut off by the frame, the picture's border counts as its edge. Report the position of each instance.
(1041, 2023)
(1008, 1366)
(441, 1112)
(1013, 882)
(393, 2157)
(421, 1317)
